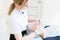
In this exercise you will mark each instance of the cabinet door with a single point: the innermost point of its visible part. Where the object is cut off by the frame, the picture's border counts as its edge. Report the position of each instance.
(35, 8)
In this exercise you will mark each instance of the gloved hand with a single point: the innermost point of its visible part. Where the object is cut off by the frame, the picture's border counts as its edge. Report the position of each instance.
(40, 28)
(39, 31)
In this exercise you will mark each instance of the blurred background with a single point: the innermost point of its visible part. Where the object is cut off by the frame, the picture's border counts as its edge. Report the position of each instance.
(48, 10)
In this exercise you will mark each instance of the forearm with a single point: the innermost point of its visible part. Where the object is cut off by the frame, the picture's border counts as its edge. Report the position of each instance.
(30, 36)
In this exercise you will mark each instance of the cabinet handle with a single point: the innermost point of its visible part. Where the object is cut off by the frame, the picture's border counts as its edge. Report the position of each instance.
(40, 2)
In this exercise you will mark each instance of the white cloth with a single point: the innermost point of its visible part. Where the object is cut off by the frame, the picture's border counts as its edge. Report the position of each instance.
(18, 21)
(52, 31)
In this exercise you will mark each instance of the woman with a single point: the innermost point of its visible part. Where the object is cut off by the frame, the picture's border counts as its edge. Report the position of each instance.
(18, 20)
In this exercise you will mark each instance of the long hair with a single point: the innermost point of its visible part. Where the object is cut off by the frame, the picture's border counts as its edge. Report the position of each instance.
(12, 6)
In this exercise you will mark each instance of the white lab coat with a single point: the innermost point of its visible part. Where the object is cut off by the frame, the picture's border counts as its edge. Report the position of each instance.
(18, 21)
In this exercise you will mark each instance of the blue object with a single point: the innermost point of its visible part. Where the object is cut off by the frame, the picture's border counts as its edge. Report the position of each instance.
(53, 38)
(37, 38)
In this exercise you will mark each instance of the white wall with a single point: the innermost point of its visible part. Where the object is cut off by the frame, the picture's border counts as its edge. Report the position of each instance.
(3, 15)
(51, 12)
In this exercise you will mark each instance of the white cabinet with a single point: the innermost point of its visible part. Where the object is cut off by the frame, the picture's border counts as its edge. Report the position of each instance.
(35, 8)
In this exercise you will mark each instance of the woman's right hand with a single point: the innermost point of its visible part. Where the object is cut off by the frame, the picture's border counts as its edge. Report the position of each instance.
(36, 25)
(39, 30)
